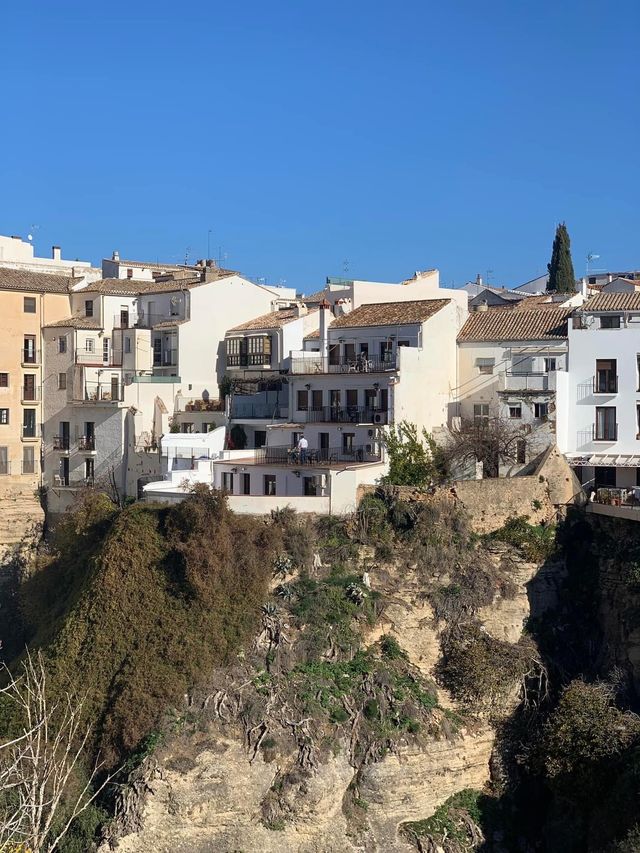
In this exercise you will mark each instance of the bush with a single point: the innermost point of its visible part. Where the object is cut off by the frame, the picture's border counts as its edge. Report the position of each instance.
(536, 542)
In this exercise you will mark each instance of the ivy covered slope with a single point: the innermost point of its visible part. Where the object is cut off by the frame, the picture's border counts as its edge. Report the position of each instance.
(138, 604)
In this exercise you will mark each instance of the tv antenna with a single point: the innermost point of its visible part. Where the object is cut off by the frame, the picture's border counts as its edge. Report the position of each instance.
(345, 266)
(209, 243)
(186, 255)
(489, 274)
(591, 257)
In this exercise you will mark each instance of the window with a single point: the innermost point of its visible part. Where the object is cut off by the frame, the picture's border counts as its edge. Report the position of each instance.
(485, 365)
(4, 460)
(4, 416)
(404, 343)
(605, 477)
(515, 410)
(157, 351)
(260, 437)
(28, 460)
(349, 353)
(481, 412)
(4, 380)
(29, 386)
(90, 345)
(592, 279)
(638, 425)
(89, 470)
(303, 400)
(348, 442)
(352, 398)
(334, 354)
(549, 365)
(62, 343)
(29, 354)
(370, 398)
(227, 481)
(310, 486)
(246, 484)
(606, 427)
(29, 423)
(541, 411)
(129, 273)
(187, 427)
(29, 305)
(269, 484)
(610, 322)
(127, 344)
(334, 397)
(386, 352)
(521, 451)
(62, 382)
(606, 380)
(316, 401)
(88, 307)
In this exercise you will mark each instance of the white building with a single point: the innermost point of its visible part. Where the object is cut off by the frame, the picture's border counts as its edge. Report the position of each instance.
(508, 363)
(598, 396)
(19, 254)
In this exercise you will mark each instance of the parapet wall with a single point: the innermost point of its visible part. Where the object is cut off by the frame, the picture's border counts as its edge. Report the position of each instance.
(491, 502)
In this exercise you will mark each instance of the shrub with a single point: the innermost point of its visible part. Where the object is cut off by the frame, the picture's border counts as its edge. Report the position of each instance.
(536, 542)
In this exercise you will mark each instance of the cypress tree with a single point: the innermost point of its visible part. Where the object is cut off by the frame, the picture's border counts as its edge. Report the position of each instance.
(561, 275)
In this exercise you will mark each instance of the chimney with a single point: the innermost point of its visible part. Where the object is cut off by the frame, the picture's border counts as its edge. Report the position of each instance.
(300, 309)
(115, 256)
(479, 280)
(56, 254)
(325, 320)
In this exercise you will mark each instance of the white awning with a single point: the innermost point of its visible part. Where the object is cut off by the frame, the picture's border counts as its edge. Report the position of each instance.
(604, 460)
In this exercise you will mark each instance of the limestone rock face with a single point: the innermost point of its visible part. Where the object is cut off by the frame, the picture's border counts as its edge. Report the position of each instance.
(21, 524)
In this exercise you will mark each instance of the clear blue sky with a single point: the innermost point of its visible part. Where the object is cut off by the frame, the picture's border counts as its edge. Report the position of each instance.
(398, 135)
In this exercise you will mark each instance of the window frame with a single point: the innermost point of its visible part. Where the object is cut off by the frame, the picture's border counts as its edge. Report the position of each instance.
(31, 301)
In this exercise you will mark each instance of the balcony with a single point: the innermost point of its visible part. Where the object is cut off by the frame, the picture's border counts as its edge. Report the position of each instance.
(98, 392)
(260, 411)
(167, 358)
(254, 359)
(195, 404)
(323, 364)
(29, 357)
(605, 383)
(145, 321)
(325, 456)
(346, 414)
(99, 359)
(61, 443)
(29, 395)
(511, 381)
(30, 432)
(87, 444)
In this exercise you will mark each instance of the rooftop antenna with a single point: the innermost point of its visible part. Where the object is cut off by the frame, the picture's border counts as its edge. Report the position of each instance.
(186, 255)
(208, 243)
(591, 257)
(489, 274)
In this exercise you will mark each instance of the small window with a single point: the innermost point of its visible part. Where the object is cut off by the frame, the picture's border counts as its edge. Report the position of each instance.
(549, 365)
(269, 484)
(485, 365)
(610, 322)
(5, 466)
(28, 460)
(481, 412)
(246, 484)
(29, 305)
(4, 416)
(515, 411)
(592, 279)
(4, 380)
(127, 344)
(90, 345)
(62, 344)
(541, 411)
(521, 451)
(129, 273)
(302, 400)
(88, 308)
(62, 382)
(404, 343)
(227, 481)
(310, 485)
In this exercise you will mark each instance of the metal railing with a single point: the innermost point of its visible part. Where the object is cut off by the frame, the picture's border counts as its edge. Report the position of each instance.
(513, 381)
(145, 321)
(258, 410)
(30, 431)
(609, 433)
(195, 404)
(102, 393)
(168, 358)
(254, 359)
(326, 364)
(346, 414)
(30, 395)
(323, 456)
(61, 442)
(87, 443)
(605, 383)
(30, 356)
(97, 359)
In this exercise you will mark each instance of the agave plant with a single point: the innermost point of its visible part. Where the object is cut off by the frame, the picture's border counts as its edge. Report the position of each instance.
(356, 594)
(282, 565)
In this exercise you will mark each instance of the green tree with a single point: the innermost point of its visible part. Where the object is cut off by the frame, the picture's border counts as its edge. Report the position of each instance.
(414, 459)
(561, 276)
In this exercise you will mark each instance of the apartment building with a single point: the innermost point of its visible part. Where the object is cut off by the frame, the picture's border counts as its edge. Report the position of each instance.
(508, 363)
(599, 395)
(29, 300)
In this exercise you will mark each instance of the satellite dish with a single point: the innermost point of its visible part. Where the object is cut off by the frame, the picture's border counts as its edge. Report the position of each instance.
(29, 236)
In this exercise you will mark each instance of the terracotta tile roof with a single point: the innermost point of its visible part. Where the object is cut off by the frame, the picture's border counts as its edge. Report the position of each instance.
(34, 282)
(149, 265)
(273, 320)
(75, 323)
(516, 325)
(613, 302)
(312, 335)
(115, 286)
(314, 298)
(390, 313)
(131, 287)
(169, 324)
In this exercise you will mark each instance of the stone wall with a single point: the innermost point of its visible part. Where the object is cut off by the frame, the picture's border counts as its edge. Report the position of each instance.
(491, 502)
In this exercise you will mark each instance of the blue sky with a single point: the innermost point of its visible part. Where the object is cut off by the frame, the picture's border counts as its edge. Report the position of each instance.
(397, 136)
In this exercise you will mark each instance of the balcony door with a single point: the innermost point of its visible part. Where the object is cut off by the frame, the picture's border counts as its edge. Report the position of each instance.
(106, 350)
(29, 387)
(606, 427)
(606, 376)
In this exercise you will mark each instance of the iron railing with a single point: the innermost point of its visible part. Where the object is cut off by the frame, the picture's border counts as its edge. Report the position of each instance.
(327, 364)
(346, 414)
(258, 410)
(87, 443)
(61, 442)
(322, 456)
